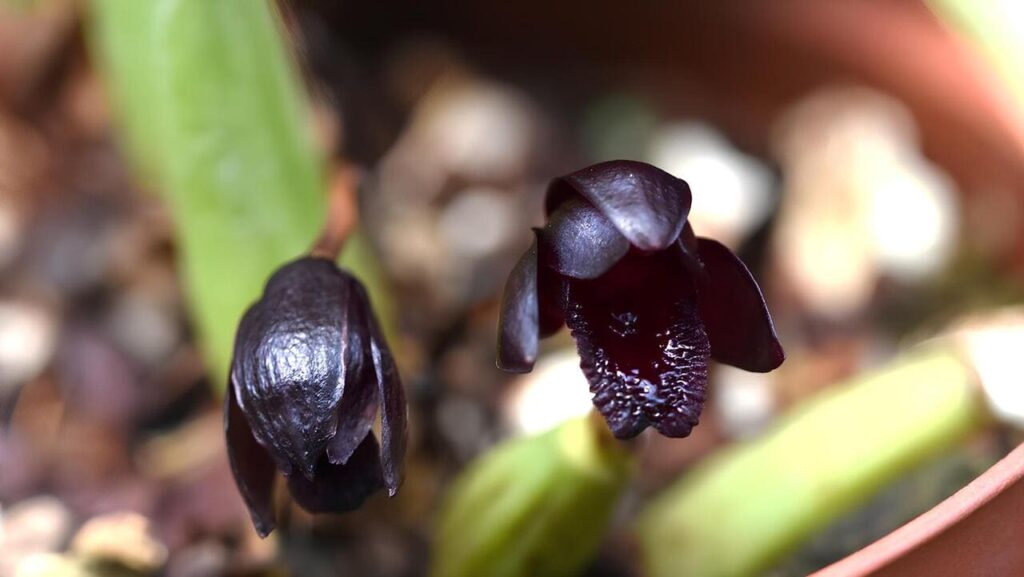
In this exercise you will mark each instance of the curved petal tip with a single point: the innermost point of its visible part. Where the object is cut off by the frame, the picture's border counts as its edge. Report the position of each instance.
(580, 242)
(648, 205)
(251, 466)
(735, 315)
(519, 317)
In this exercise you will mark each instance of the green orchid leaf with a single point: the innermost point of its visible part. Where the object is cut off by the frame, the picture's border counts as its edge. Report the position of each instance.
(215, 116)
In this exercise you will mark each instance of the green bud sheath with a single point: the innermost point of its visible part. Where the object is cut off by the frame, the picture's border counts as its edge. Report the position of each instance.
(534, 506)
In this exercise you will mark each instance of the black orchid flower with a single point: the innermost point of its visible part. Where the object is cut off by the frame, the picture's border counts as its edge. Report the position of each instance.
(310, 371)
(647, 301)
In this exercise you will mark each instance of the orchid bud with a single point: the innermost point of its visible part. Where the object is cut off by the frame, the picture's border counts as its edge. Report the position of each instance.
(311, 371)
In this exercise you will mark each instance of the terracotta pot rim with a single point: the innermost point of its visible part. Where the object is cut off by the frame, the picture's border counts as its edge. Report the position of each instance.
(904, 541)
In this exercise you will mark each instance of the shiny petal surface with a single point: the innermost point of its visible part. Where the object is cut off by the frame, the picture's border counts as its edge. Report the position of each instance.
(293, 351)
(251, 465)
(648, 205)
(641, 343)
(356, 413)
(551, 288)
(393, 426)
(530, 309)
(690, 255)
(580, 242)
(688, 240)
(519, 316)
(360, 399)
(734, 312)
(340, 488)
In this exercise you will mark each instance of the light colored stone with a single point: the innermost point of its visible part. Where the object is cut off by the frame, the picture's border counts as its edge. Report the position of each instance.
(31, 527)
(124, 538)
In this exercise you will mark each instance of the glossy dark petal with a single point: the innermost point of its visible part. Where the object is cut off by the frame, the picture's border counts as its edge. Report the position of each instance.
(531, 307)
(641, 343)
(356, 413)
(734, 312)
(251, 465)
(518, 319)
(393, 426)
(688, 240)
(551, 288)
(648, 205)
(340, 488)
(293, 351)
(690, 255)
(580, 242)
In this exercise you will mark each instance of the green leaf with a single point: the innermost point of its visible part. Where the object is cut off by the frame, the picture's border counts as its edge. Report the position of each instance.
(121, 35)
(214, 111)
(742, 510)
(533, 507)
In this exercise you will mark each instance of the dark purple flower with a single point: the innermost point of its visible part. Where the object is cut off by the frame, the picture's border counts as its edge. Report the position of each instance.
(310, 371)
(647, 301)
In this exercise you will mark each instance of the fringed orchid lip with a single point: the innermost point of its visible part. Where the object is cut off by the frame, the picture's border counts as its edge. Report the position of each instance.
(310, 374)
(647, 301)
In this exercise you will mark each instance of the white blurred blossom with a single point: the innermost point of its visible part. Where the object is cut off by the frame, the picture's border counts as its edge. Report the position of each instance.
(861, 200)
(555, 392)
(732, 191)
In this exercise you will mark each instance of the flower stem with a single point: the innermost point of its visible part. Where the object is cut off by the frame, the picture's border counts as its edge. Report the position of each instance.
(342, 213)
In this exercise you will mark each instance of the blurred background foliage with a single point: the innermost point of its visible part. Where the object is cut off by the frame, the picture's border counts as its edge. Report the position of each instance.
(158, 159)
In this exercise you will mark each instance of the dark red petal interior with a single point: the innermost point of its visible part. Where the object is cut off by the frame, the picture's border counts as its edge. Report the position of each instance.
(551, 289)
(734, 312)
(641, 344)
(251, 465)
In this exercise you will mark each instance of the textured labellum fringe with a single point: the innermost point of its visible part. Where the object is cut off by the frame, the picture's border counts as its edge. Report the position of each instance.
(642, 346)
